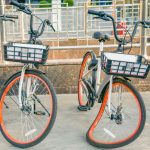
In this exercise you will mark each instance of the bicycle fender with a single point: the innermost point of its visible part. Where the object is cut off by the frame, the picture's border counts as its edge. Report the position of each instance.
(92, 53)
(35, 70)
(123, 78)
(19, 72)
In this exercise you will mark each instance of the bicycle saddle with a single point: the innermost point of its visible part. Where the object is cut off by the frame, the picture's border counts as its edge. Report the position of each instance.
(101, 37)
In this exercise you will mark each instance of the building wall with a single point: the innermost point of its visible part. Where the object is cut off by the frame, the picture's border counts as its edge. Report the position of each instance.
(64, 77)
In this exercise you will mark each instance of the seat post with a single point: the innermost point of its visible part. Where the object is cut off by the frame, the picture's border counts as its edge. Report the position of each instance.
(101, 42)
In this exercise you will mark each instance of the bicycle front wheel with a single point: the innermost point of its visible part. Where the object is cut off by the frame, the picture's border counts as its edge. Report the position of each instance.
(126, 120)
(27, 126)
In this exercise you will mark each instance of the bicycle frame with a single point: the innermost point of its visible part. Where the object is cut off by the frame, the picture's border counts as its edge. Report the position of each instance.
(108, 78)
(98, 87)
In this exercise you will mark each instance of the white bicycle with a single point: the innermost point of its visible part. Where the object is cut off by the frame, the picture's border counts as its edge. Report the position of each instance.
(28, 100)
(122, 114)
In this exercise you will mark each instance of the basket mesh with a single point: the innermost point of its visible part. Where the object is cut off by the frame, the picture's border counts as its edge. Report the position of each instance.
(26, 53)
(117, 64)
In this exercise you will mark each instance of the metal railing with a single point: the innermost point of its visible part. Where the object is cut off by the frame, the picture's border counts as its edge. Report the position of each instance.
(74, 22)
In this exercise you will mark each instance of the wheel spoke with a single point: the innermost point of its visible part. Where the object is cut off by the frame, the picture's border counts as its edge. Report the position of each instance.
(126, 121)
(34, 118)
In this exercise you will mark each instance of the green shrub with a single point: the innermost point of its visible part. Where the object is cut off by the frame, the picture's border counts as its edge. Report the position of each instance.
(44, 4)
(70, 2)
(49, 1)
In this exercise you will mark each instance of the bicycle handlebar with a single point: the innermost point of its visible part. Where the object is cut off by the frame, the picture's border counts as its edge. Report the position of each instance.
(17, 4)
(21, 7)
(93, 12)
(107, 17)
(100, 14)
(8, 17)
(27, 10)
(11, 16)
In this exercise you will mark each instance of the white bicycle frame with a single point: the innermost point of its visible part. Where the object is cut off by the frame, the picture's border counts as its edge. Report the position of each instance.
(108, 78)
(28, 86)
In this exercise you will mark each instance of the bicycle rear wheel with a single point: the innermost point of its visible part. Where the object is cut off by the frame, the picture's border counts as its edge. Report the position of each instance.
(27, 126)
(82, 91)
(127, 119)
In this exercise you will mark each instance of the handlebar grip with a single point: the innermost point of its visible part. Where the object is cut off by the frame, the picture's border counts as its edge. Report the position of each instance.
(12, 16)
(19, 5)
(92, 12)
(147, 23)
(98, 13)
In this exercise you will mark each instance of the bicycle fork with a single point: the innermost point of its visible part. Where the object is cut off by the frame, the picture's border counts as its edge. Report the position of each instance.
(27, 91)
(21, 85)
(110, 95)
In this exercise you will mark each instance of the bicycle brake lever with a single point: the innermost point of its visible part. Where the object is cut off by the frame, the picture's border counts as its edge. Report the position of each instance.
(49, 24)
(145, 26)
(26, 10)
(96, 17)
(5, 19)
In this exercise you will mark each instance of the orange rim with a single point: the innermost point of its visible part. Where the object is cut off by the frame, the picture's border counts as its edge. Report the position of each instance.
(2, 104)
(80, 94)
(99, 116)
(0, 112)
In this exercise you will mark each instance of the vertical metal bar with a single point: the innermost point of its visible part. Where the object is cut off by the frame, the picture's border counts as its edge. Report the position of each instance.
(144, 17)
(22, 26)
(67, 21)
(2, 30)
(86, 23)
(116, 15)
(132, 12)
(77, 23)
(85, 18)
(140, 18)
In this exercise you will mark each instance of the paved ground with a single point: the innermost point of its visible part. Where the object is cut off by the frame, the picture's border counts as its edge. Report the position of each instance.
(71, 126)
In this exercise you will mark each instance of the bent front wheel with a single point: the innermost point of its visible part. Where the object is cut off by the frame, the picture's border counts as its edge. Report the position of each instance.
(126, 120)
(28, 125)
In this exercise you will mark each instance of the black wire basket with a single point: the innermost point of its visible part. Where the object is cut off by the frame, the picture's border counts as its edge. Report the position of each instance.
(124, 65)
(25, 53)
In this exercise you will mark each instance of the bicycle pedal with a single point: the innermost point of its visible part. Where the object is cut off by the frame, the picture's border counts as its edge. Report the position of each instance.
(40, 113)
(83, 108)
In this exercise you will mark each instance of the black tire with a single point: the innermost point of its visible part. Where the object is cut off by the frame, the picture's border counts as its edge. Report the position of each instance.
(49, 122)
(141, 123)
(85, 63)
